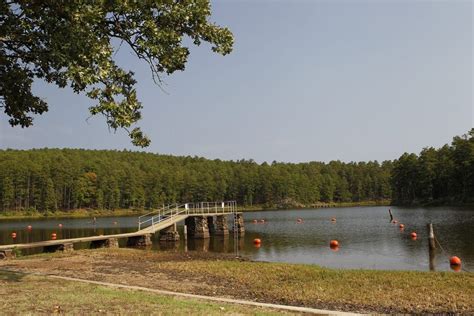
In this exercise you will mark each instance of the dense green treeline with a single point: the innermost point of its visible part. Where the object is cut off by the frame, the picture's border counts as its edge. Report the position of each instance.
(439, 176)
(65, 179)
(55, 179)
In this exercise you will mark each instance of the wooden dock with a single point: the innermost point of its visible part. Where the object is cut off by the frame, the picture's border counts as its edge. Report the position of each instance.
(164, 220)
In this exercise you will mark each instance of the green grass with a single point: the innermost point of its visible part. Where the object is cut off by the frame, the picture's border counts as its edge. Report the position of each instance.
(28, 294)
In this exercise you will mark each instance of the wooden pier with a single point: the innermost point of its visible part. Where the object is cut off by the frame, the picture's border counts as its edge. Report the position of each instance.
(201, 220)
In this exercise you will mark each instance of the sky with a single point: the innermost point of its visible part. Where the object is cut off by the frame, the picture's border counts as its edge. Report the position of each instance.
(307, 81)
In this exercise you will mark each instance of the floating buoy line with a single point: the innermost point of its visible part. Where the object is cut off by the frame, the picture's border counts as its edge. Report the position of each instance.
(454, 261)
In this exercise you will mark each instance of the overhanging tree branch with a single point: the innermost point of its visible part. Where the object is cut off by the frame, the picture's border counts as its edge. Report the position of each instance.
(69, 43)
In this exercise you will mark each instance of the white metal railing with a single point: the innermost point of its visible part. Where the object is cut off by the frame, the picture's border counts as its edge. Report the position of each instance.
(148, 217)
(168, 212)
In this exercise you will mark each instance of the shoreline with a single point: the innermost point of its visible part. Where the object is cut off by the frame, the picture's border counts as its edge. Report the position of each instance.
(85, 213)
(362, 291)
(88, 213)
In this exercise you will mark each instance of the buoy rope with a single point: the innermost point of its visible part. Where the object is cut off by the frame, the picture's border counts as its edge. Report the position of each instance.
(448, 255)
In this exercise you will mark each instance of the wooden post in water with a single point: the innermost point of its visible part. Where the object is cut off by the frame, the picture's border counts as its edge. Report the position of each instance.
(431, 246)
(185, 234)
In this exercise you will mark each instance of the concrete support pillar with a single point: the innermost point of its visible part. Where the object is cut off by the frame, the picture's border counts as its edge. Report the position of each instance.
(169, 234)
(60, 247)
(197, 227)
(139, 241)
(240, 224)
(6, 254)
(211, 224)
(105, 243)
(222, 228)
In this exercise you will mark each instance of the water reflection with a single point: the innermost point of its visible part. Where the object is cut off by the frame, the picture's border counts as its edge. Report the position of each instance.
(366, 237)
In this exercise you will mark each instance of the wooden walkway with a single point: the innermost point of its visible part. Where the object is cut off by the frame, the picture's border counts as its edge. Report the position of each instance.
(158, 220)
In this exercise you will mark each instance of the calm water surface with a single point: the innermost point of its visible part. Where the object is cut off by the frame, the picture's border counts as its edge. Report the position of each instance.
(367, 238)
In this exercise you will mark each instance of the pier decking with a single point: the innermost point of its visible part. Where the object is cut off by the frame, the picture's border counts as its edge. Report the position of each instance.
(163, 220)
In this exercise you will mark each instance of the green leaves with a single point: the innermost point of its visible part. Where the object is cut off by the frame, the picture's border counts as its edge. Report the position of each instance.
(69, 43)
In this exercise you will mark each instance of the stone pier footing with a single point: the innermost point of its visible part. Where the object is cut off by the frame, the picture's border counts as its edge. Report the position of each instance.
(169, 234)
(60, 247)
(139, 241)
(222, 228)
(240, 224)
(211, 224)
(105, 243)
(6, 254)
(197, 227)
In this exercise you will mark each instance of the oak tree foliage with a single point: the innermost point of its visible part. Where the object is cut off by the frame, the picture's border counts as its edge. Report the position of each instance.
(70, 43)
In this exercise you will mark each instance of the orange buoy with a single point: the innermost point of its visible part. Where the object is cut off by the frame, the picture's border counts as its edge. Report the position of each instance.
(262, 221)
(60, 225)
(13, 235)
(334, 243)
(455, 267)
(401, 226)
(455, 261)
(257, 245)
(53, 236)
(333, 219)
(29, 227)
(413, 235)
(335, 249)
(255, 221)
(257, 241)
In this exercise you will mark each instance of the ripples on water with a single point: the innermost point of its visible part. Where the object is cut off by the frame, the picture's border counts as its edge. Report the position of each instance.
(367, 238)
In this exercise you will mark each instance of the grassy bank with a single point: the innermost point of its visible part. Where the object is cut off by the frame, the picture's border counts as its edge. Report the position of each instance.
(253, 208)
(292, 284)
(434, 203)
(78, 213)
(20, 295)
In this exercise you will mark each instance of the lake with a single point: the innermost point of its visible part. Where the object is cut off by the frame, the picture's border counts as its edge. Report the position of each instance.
(367, 238)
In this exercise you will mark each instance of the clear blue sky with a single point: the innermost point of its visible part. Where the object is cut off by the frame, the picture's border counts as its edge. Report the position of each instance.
(307, 80)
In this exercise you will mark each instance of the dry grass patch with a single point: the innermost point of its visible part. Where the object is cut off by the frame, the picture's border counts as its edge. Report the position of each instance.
(294, 284)
(28, 294)
(363, 290)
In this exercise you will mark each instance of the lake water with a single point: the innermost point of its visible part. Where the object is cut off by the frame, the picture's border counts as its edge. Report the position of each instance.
(367, 239)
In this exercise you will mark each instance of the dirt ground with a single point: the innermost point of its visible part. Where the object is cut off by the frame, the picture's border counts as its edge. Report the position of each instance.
(192, 272)
(124, 266)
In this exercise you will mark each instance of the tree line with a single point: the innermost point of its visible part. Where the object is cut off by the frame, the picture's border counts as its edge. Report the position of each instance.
(66, 179)
(436, 176)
